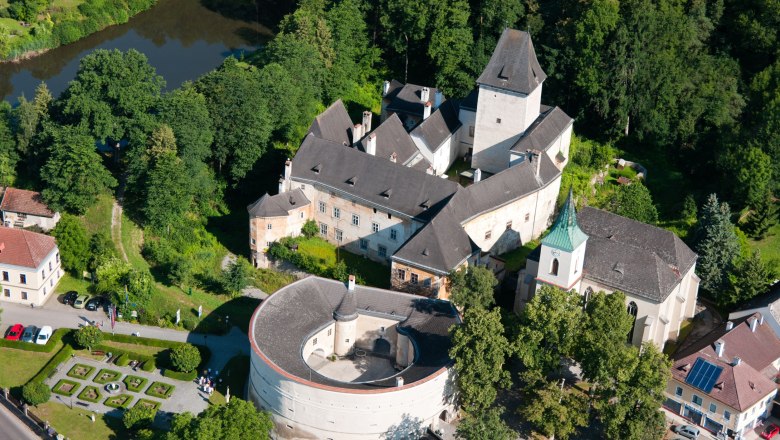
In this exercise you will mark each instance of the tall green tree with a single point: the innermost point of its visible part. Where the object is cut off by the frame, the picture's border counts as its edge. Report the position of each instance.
(451, 43)
(9, 156)
(237, 420)
(717, 245)
(185, 357)
(168, 192)
(486, 425)
(634, 201)
(237, 276)
(480, 349)
(73, 243)
(554, 411)
(185, 111)
(762, 217)
(750, 277)
(89, 336)
(752, 170)
(473, 287)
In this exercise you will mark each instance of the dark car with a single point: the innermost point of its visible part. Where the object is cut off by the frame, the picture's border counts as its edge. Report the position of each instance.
(95, 303)
(29, 333)
(70, 297)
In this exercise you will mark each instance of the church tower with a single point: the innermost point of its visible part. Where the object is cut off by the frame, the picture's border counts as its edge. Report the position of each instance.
(510, 93)
(563, 250)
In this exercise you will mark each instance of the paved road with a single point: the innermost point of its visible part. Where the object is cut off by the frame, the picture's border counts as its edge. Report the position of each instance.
(12, 428)
(58, 315)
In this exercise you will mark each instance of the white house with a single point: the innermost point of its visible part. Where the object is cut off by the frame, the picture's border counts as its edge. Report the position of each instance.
(29, 266)
(21, 208)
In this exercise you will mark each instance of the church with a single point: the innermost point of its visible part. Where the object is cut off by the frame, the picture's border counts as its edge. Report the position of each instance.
(595, 250)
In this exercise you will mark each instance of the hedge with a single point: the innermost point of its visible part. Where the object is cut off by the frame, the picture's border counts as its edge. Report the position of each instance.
(124, 360)
(128, 399)
(205, 353)
(72, 373)
(148, 366)
(135, 389)
(54, 362)
(56, 388)
(99, 380)
(88, 399)
(31, 346)
(187, 377)
(152, 392)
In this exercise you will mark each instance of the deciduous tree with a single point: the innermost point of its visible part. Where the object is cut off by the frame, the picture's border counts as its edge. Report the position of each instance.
(89, 336)
(35, 393)
(237, 276)
(485, 425)
(185, 357)
(635, 202)
(473, 287)
(237, 420)
(554, 411)
(73, 243)
(138, 417)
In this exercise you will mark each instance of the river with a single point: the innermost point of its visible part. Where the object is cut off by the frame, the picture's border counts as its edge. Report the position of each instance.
(181, 38)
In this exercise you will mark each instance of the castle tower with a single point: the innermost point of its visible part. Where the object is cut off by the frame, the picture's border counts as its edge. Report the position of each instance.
(510, 92)
(563, 250)
(346, 321)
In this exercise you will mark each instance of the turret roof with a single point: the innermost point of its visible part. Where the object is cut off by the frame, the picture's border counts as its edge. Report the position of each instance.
(566, 235)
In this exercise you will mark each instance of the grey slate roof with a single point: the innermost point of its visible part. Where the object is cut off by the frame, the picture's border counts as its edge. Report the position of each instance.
(391, 137)
(408, 101)
(513, 65)
(470, 101)
(378, 181)
(347, 309)
(440, 125)
(290, 316)
(279, 205)
(395, 87)
(543, 131)
(333, 124)
(631, 256)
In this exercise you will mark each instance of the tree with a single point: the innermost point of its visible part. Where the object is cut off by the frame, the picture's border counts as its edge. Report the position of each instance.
(114, 275)
(138, 417)
(762, 217)
(635, 202)
(73, 243)
(74, 175)
(717, 245)
(237, 275)
(185, 357)
(9, 156)
(27, 10)
(101, 248)
(554, 411)
(89, 336)
(35, 393)
(168, 195)
(689, 209)
(752, 175)
(237, 420)
(185, 111)
(750, 277)
(473, 287)
(487, 425)
(310, 229)
(480, 348)
(549, 329)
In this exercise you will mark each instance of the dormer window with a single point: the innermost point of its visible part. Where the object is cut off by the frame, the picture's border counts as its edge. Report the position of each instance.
(317, 168)
(351, 181)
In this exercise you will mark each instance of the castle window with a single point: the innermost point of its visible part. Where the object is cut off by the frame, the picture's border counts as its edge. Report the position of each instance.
(269, 227)
(554, 267)
(355, 220)
(336, 212)
(323, 229)
(375, 227)
(415, 278)
(322, 207)
(339, 235)
(393, 234)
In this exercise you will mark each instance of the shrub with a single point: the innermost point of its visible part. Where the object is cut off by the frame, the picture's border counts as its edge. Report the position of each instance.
(139, 416)
(186, 377)
(310, 229)
(63, 383)
(48, 348)
(148, 366)
(89, 336)
(160, 389)
(185, 358)
(86, 370)
(36, 393)
(123, 360)
(189, 324)
(88, 391)
(105, 376)
(139, 381)
(118, 401)
(53, 363)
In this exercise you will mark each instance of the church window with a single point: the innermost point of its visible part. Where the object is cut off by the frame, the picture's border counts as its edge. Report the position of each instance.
(554, 267)
(632, 310)
(576, 263)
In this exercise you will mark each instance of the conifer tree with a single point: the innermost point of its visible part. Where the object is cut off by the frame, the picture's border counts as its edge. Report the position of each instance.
(717, 245)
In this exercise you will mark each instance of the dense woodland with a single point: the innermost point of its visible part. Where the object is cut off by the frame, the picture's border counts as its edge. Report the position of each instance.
(691, 88)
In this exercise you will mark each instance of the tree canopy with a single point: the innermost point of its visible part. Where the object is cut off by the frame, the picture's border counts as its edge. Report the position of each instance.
(237, 420)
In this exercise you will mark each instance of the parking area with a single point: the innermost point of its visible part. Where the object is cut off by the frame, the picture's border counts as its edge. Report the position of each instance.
(675, 420)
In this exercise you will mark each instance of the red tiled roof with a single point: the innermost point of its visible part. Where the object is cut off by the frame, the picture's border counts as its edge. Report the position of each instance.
(24, 248)
(25, 202)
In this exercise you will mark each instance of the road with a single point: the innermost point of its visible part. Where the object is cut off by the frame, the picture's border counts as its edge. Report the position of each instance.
(12, 428)
(59, 315)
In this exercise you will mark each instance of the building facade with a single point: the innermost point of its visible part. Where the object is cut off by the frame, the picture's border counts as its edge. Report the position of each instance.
(22, 209)
(29, 266)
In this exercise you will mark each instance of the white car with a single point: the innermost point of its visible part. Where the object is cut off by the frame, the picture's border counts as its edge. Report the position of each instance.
(44, 334)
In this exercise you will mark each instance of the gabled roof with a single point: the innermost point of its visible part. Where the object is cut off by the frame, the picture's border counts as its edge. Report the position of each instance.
(19, 247)
(543, 131)
(470, 101)
(408, 100)
(333, 124)
(565, 234)
(25, 202)
(380, 182)
(439, 126)
(395, 87)
(513, 65)
(279, 205)
(391, 137)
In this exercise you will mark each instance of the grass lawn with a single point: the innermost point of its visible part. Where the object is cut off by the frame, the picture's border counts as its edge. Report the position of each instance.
(269, 280)
(515, 260)
(234, 375)
(75, 423)
(453, 173)
(19, 366)
(98, 216)
(68, 282)
(10, 23)
(327, 255)
(770, 245)
(132, 240)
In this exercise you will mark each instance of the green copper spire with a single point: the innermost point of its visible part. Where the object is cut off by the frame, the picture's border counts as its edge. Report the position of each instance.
(565, 234)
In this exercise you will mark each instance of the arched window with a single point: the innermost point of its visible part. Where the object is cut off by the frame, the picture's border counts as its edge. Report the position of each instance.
(576, 263)
(554, 267)
(586, 297)
(632, 309)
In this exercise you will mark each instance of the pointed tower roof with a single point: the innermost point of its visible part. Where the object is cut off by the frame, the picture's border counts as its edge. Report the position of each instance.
(513, 65)
(565, 234)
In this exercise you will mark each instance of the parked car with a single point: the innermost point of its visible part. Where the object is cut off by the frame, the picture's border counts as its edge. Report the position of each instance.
(770, 431)
(70, 297)
(95, 303)
(29, 333)
(44, 334)
(81, 301)
(15, 332)
(687, 431)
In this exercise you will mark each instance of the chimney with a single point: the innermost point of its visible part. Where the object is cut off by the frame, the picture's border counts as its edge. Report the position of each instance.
(371, 144)
(367, 121)
(720, 345)
(477, 175)
(737, 361)
(425, 93)
(753, 321)
(729, 325)
(429, 170)
(438, 97)
(281, 185)
(760, 318)
(394, 157)
(426, 110)
(385, 88)
(351, 283)
(357, 133)
(288, 169)
(399, 381)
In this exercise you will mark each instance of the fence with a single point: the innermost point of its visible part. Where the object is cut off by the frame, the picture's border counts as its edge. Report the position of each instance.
(18, 409)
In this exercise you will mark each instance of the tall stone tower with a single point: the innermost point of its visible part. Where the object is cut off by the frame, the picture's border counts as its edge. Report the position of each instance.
(510, 93)
(563, 250)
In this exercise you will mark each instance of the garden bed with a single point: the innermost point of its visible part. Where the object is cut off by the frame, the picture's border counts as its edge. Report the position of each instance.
(160, 390)
(119, 401)
(105, 376)
(134, 383)
(65, 387)
(81, 371)
(90, 393)
(148, 403)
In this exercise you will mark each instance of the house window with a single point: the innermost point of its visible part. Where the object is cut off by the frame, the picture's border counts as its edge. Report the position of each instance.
(322, 207)
(43, 274)
(393, 234)
(23, 279)
(339, 235)
(713, 407)
(697, 400)
(268, 244)
(401, 274)
(330, 331)
(508, 225)
(382, 251)
(269, 226)
(301, 214)
(336, 212)
(488, 234)
(50, 265)
(5, 276)
(498, 120)
(415, 278)
(254, 241)
(24, 295)
(678, 392)
(57, 257)
(323, 229)
(355, 220)
(726, 415)
(303, 187)
(427, 282)
(44, 291)
(375, 227)
(363, 244)
(314, 341)
(7, 293)
(389, 216)
(632, 310)
(51, 282)
(471, 130)
(554, 267)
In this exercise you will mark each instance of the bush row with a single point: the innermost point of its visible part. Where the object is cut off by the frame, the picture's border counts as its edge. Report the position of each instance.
(30, 346)
(54, 362)
(187, 377)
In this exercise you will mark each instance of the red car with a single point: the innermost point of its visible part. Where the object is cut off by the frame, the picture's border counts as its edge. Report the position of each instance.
(770, 431)
(15, 332)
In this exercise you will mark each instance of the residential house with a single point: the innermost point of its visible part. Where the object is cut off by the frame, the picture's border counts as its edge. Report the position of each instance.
(21, 208)
(29, 266)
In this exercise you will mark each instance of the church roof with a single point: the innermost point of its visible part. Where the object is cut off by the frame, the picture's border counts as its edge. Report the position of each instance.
(566, 234)
(513, 65)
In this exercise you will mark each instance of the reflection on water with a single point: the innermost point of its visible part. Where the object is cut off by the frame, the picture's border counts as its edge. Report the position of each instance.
(181, 38)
